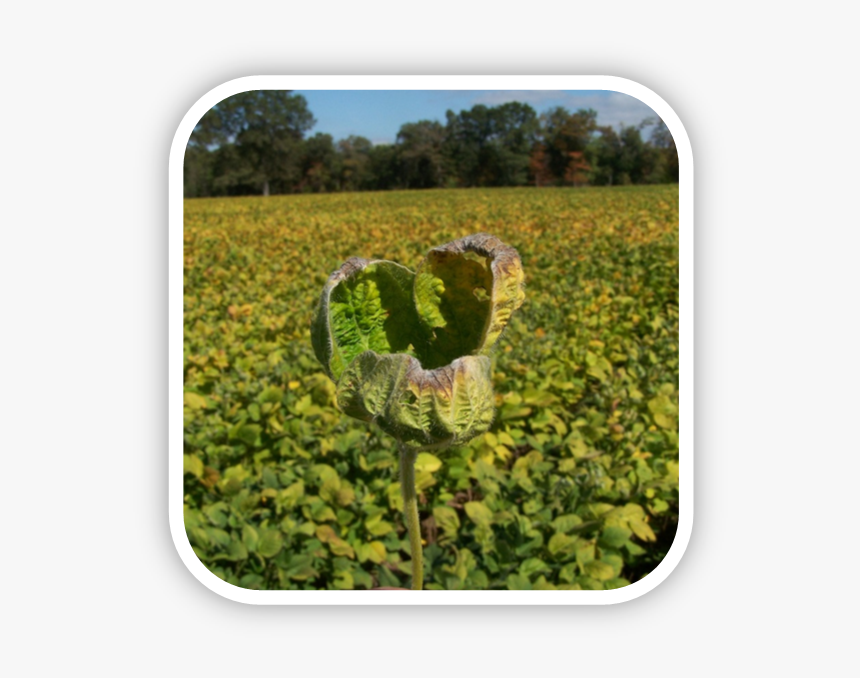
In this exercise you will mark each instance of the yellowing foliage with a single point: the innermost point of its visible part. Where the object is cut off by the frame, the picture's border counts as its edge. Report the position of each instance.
(574, 486)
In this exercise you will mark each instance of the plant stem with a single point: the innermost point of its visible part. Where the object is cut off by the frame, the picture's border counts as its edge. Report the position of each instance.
(410, 508)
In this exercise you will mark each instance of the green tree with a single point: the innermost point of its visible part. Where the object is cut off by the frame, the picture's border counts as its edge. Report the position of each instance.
(320, 164)
(231, 173)
(385, 170)
(514, 132)
(604, 155)
(355, 163)
(266, 128)
(638, 160)
(466, 134)
(420, 148)
(197, 172)
(564, 133)
(491, 146)
(624, 157)
(662, 139)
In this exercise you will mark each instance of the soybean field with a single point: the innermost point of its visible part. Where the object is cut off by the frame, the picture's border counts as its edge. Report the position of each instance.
(575, 486)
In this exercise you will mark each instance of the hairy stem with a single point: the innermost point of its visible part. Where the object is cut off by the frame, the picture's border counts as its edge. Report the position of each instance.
(410, 508)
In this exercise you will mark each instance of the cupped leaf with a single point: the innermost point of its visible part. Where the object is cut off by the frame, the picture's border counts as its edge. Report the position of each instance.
(425, 408)
(465, 293)
(365, 305)
(370, 382)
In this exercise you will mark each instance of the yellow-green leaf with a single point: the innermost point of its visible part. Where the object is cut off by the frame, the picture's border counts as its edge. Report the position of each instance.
(194, 401)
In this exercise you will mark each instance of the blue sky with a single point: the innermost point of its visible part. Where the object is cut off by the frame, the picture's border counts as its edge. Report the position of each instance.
(379, 114)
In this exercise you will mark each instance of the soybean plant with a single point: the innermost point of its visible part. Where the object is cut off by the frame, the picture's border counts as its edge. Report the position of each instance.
(410, 351)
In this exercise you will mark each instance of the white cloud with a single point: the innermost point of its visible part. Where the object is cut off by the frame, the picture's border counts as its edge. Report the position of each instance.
(613, 108)
(533, 97)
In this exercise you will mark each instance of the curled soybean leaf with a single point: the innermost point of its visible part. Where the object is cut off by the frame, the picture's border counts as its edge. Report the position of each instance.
(409, 351)
(465, 293)
(440, 407)
(365, 305)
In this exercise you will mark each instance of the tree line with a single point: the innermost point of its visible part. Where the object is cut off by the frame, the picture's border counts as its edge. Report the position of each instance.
(257, 143)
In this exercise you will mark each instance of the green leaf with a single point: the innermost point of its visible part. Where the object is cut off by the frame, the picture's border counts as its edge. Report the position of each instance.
(250, 537)
(446, 519)
(567, 572)
(465, 293)
(322, 473)
(641, 529)
(427, 462)
(322, 513)
(289, 496)
(614, 560)
(477, 580)
(561, 543)
(584, 553)
(362, 579)
(217, 514)
(300, 568)
(251, 581)
(271, 394)
(344, 581)
(373, 551)
(513, 412)
(665, 421)
(218, 536)
(194, 401)
(532, 566)
(237, 472)
(270, 543)
(663, 411)
(236, 550)
(329, 489)
(345, 495)
(338, 546)
(614, 537)
(365, 306)
(479, 513)
(191, 464)
(634, 549)
(599, 570)
(247, 433)
(380, 528)
(518, 582)
(448, 405)
(659, 506)
(566, 522)
(370, 382)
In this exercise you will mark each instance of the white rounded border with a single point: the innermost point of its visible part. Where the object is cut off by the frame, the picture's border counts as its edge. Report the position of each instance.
(175, 339)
